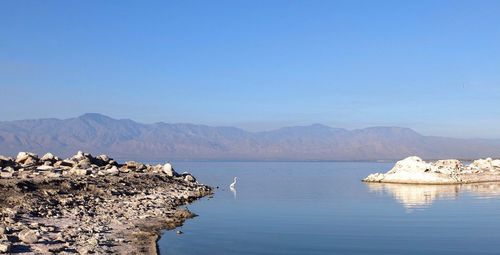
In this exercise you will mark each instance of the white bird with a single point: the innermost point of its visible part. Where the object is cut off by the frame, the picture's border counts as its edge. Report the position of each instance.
(234, 183)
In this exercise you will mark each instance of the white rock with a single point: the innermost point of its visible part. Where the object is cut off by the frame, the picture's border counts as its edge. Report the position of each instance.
(169, 170)
(447, 166)
(482, 164)
(496, 163)
(189, 178)
(113, 171)
(48, 157)
(45, 168)
(415, 170)
(22, 156)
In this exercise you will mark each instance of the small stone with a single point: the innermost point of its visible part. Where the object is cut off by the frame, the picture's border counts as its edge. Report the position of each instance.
(48, 157)
(189, 178)
(112, 171)
(4, 247)
(28, 236)
(6, 175)
(45, 168)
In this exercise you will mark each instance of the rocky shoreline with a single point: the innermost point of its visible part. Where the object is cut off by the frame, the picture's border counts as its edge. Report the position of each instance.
(414, 170)
(89, 205)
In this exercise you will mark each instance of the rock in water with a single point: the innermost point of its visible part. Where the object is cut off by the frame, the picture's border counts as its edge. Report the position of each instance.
(415, 170)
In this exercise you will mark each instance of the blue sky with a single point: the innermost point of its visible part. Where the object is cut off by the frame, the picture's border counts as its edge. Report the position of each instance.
(429, 65)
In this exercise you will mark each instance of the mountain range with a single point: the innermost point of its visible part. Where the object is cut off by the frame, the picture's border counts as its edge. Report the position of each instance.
(127, 139)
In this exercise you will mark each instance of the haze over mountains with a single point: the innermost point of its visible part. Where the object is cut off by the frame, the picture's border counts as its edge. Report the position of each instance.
(123, 138)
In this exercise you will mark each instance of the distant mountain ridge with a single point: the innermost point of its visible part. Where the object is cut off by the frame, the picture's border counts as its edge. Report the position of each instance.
(127, 139)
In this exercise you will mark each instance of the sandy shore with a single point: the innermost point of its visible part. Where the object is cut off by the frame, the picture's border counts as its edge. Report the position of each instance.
(120, 213)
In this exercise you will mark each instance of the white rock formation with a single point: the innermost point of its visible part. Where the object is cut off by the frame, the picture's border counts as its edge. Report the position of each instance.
(415, 170)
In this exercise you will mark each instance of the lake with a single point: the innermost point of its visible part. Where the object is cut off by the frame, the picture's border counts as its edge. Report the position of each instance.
(324, 208)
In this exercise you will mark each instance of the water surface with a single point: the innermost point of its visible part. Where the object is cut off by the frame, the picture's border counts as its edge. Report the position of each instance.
(323, 208)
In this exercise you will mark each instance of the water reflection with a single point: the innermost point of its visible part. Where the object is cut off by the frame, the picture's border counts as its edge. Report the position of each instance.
(233, 190)
(418, 196)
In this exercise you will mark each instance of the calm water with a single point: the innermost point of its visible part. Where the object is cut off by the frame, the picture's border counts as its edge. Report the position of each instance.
(323, 208)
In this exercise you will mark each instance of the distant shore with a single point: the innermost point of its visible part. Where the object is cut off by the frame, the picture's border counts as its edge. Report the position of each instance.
(87, 204)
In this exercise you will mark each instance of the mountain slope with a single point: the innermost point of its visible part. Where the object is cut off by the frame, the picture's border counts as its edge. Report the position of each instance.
(124, 138)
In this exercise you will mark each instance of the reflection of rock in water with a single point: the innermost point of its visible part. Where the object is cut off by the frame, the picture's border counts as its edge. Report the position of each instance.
(483, 190)
(233, 190)
(415, 196)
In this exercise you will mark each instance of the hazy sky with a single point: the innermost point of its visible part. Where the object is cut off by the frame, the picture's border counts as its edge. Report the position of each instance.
(430, 65)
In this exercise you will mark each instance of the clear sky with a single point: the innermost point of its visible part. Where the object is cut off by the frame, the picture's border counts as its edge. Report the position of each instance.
(429, 65)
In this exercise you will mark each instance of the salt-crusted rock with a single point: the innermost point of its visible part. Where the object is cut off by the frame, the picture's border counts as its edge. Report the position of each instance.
(447, 166)
(495, 163)
(415, 170)
(483, 164)
(376, 177)
(169, 170)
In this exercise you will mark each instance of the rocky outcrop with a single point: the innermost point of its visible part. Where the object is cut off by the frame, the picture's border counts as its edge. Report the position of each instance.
(86, 204)
(450, 171)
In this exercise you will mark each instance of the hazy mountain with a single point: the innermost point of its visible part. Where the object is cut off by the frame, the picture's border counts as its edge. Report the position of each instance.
(125, 138)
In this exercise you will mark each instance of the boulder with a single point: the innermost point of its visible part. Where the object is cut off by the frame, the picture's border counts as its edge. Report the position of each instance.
(169, 170)
(26, 158)
(21, 157)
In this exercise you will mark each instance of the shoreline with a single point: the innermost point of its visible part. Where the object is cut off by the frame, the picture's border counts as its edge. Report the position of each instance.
(71, 210)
